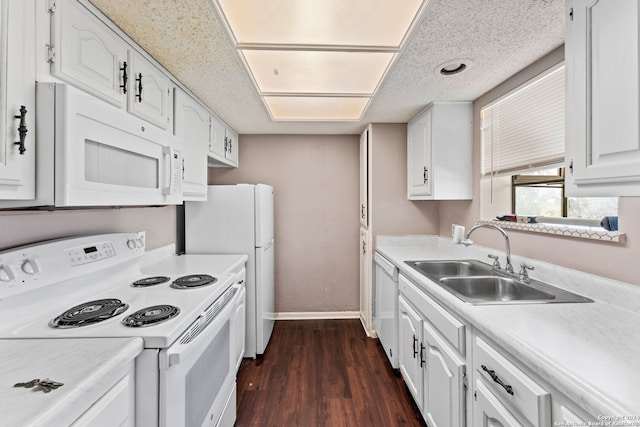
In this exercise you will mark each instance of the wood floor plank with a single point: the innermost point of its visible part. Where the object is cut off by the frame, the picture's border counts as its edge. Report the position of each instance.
(323, 373)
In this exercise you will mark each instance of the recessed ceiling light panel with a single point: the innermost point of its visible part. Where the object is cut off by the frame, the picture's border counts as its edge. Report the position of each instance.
(320, 72)
(316, 107)
(373, 23)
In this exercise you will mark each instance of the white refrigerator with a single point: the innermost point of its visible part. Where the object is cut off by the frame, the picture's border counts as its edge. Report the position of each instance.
(238, 219)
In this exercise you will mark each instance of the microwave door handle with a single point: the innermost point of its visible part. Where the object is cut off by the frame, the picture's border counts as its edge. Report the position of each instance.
(172, 188)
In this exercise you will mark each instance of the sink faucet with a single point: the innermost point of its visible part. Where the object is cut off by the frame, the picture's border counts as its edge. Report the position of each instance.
(467, 242)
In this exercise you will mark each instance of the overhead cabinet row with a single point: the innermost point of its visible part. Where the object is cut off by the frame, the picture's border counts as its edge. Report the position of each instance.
(91, 54)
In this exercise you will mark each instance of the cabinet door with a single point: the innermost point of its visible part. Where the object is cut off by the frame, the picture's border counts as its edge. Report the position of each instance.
(443, 371)
(419, 133)
(364, 176)
(232, 147)
(410, 330)
(17, 89)
(366, 299)
(192, 125)
(217, 143)
(240, 320)
(149, 92)
(87, 53)
(603, 131)
(488, 411)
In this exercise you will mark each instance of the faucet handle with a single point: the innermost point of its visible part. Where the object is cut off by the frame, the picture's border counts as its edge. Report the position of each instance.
(524, 276)
(496, 262)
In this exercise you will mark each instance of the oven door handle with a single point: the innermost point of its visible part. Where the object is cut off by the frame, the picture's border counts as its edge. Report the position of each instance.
(180, 352)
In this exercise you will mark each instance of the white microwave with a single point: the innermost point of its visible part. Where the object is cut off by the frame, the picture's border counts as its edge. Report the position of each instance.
(90, 153)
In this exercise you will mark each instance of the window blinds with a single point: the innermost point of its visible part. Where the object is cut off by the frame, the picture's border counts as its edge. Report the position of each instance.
(525, 128)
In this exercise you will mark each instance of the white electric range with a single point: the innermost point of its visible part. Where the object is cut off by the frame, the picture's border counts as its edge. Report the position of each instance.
(183, 307)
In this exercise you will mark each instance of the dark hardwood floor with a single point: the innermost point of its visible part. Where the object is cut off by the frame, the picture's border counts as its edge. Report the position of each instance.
(322, 373)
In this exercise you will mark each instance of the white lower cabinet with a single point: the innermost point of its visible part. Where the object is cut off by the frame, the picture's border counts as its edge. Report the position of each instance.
(526, 399)
(366, 288)
(410, 339)
(431, 367)
(114, 408)
(488, 411)
(240, 323)
(443, 378)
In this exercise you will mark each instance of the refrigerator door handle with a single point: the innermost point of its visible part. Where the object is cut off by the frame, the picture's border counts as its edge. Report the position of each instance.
(268, 245)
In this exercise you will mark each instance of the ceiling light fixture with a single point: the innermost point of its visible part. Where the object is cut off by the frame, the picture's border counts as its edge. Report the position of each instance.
(326, 59)
(455, 66)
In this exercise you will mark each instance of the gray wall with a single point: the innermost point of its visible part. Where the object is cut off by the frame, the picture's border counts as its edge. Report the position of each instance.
(22, 227)
(316, 196)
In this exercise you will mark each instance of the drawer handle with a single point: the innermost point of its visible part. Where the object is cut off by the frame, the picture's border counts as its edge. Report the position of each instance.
(497, 379)
(22, 129)
(415, 350)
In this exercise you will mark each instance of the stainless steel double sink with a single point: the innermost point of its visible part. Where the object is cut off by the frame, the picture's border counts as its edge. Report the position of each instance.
(476, 282)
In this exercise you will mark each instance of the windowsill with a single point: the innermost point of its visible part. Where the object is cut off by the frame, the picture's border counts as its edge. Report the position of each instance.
(575, 231)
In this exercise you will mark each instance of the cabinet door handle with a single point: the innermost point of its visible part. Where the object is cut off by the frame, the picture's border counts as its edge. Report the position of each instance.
(22, 129)
(422, 359)
(139, 81)
(497, 379)
(364, 247)
(125, 77)
(415, 349)
(425, 175)
(362, 210)
(230, 145)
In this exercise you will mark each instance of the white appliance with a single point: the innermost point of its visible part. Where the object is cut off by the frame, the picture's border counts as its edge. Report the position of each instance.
(385, 316)
(91, 153)
(239, 219)
(105, 286)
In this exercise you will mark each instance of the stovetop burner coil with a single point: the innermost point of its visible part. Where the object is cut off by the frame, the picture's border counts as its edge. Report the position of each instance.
(89, 313)
(150, 316)
(150, 281)
(193, 281)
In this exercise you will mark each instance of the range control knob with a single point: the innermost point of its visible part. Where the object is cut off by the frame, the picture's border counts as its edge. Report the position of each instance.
(30, 266)
(6, 275)
(131, 244)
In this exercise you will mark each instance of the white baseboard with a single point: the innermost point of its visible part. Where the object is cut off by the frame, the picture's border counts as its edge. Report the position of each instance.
(318, 315)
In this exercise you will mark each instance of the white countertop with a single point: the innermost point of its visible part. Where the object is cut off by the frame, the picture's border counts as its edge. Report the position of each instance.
(86, 367)
(589, 352)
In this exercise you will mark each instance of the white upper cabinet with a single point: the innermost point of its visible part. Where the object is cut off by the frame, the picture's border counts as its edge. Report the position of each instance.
(231, 153)
(17, 100)
(217, 143)
(149, 92)
(192, 124)
(223, 144)
(603, 101)
(364, 176)
(439, 143)
(87, 54)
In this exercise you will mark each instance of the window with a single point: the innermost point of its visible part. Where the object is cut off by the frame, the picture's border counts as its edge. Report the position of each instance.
(541, 193)
(522, 136)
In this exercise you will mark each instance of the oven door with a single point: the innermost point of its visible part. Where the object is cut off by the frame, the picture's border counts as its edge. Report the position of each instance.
(105, 156)
(197, 377)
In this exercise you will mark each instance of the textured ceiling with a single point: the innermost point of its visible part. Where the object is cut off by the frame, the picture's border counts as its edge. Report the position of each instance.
(500, 37)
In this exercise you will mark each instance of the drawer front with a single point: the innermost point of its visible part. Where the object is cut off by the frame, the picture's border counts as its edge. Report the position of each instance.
(512, 385)
(449, 326)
